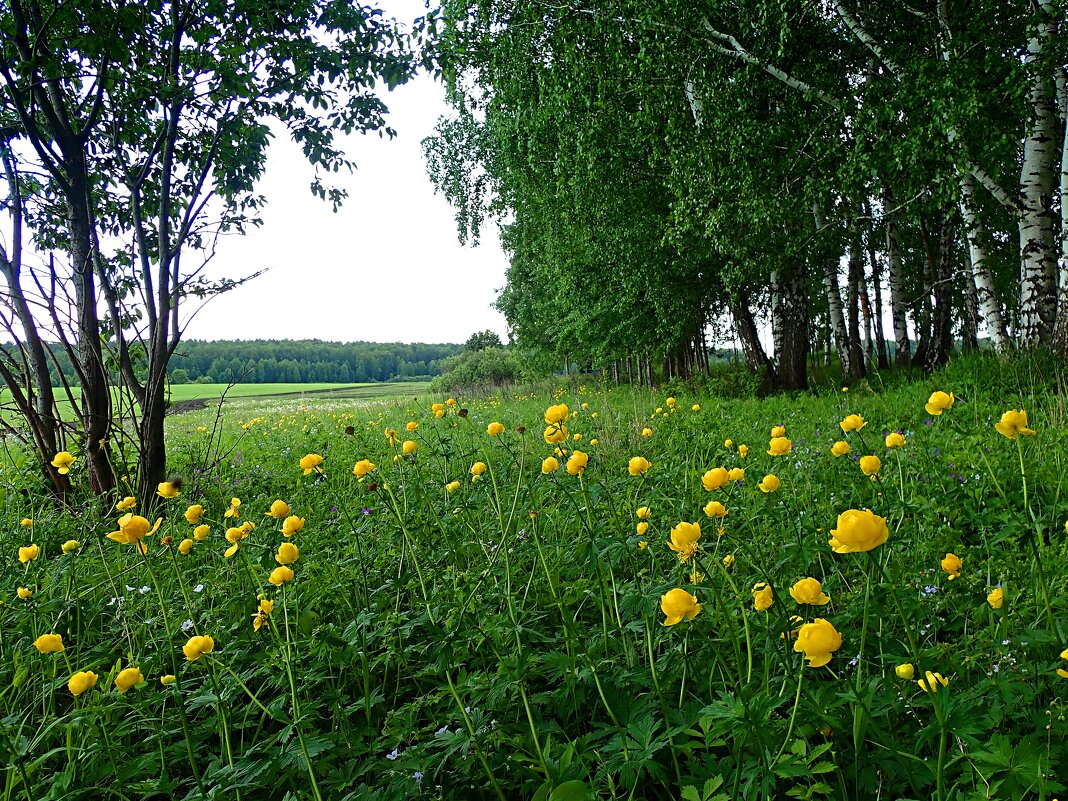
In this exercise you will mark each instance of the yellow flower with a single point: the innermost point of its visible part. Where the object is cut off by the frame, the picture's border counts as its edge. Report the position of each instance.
(715, 509)
(133, 528)
(197, 646)
(363, 467)
(266, 606)
(411, 426)
(728, 443)
(763, 597)
(49, 643)
(452, 486)
(201, 532)
(495, 429)
(477, 469)
(818, 640)
(555, 434)
(167, 679)
(26, 522)
(439, 413)
(858, 531)
(280, 575)
(840, 448)
(81, 682)
(70, 546)
(1013, 423)
(128, 678)
(996, 598)
(643, 544)
(642, 512)
(895, 440)
(235, 534)
(29, 552)
(62, 462)
(696, 407)
(809, 591)
(743, 450)
(167, 490)
(391, 436)
(728, 560)
(194, 514)
(779, 446)
(641, 528)
(696, 577)
(905, 671)
(715, 478)
(870, 465)
(939, 402)
(670, 402)
(678, 604)
(311, 462)
(549, 464)
(259, 620)
(24, 593)
(557, 413)
(437, 407)
(409, 446)
(231, 550)
(638, 465)
(279, 510)
(1061, 671)
(287, 554)
(853, 422)
(770, 483)
(185, 546)
(778, 431)
(684, 539)
(933, 680)
(576, 465)
(127, 503)
(736, 474)
(647, 432)
(952, 564)
(595, 441)
(235, 508)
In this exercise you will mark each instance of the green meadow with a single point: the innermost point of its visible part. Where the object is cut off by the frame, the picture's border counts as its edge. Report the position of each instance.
(406, 599)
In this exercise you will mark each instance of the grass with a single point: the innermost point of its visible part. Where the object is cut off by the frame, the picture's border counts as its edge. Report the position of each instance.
(505, 636)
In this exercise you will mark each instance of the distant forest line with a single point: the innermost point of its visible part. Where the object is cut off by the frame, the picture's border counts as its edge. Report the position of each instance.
(287, 361)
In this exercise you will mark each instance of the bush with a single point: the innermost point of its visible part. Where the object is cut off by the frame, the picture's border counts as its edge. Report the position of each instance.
(488, 367)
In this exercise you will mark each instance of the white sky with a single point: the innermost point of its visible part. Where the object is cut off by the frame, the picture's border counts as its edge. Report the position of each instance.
(386, 268)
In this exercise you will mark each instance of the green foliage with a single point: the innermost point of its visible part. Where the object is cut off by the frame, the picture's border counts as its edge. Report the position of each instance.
(505, 639)
(483, 339)
(481, 368)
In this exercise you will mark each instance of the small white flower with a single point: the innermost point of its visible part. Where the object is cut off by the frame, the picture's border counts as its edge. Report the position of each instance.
(187, 625)
(392, 755)
(145, 589)
(198, 588)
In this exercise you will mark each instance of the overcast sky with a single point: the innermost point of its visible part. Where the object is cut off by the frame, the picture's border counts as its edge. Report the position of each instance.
(386, 268)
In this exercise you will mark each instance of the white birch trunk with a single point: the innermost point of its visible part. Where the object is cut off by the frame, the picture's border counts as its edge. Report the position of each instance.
(1061, 333)
(1038, 252)
(985, 294)
(902, 346)
(834, 301)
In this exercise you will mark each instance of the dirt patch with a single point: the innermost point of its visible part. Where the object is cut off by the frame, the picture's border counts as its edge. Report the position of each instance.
(192, 405)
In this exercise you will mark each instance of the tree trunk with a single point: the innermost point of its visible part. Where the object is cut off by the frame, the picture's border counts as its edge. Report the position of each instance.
(789, 322)
(877, 293)
(854, 278)
(985, 294)
(96, 394)
(748, 336)
(902, 346)
(942, 318)
(1038, 252)
(970, 323)
(836, 317)
(1060, 342)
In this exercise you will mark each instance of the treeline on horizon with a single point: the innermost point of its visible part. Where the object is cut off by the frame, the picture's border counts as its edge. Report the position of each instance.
(288, 361)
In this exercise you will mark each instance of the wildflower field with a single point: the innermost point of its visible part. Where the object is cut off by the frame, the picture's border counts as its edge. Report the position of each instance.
(571, 593)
